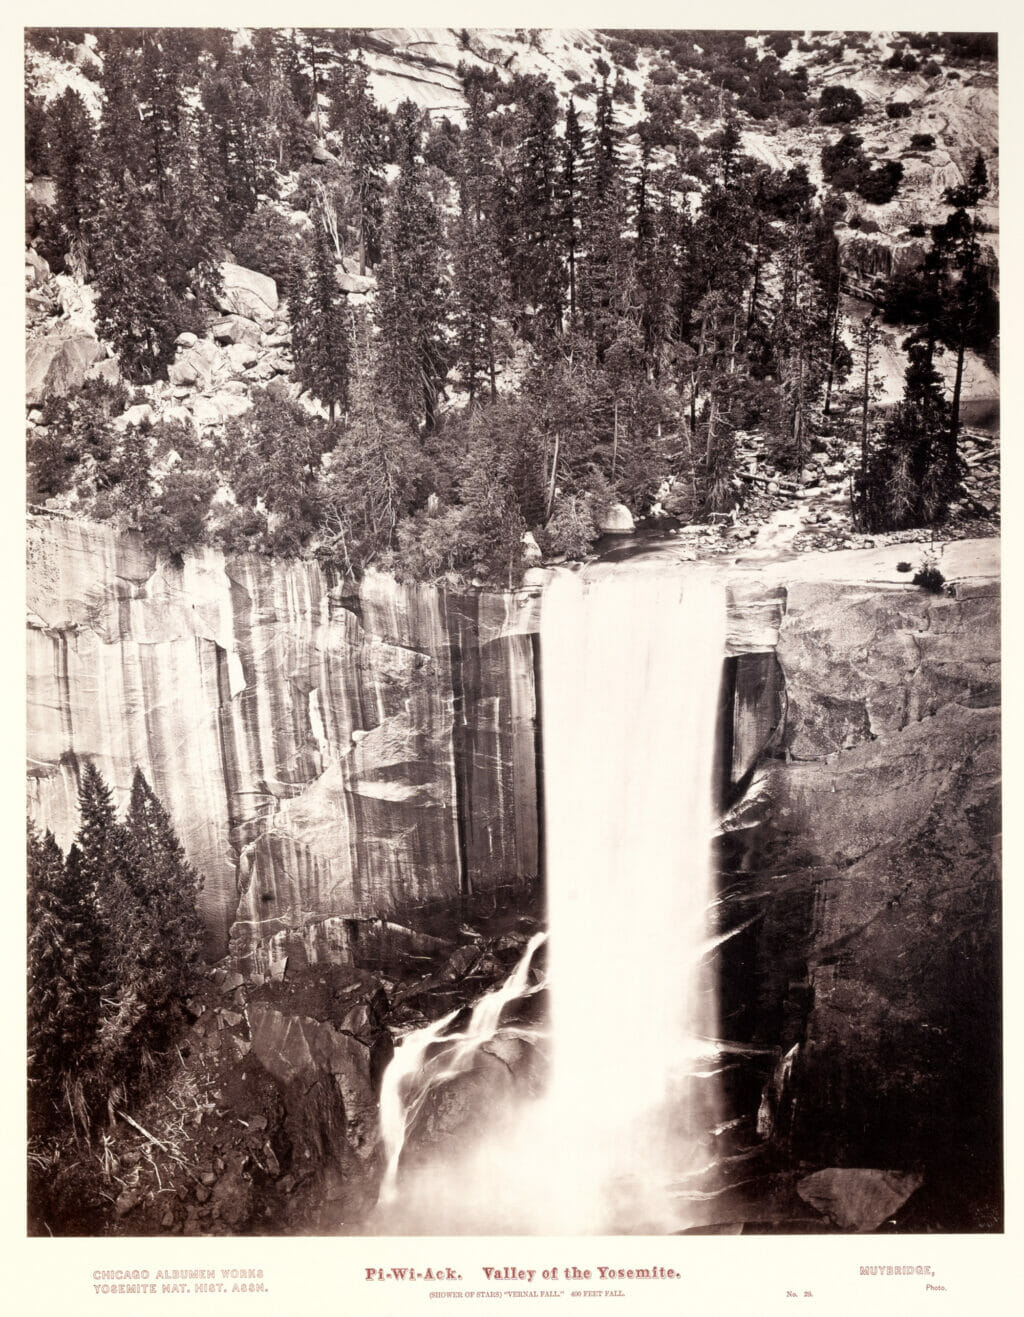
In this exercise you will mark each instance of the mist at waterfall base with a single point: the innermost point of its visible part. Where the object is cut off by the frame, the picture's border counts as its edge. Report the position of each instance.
(616, 1134)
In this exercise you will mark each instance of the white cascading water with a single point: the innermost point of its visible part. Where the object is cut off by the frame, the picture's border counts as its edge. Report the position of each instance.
(409, 1077)
(401, 1095)
(630, 667)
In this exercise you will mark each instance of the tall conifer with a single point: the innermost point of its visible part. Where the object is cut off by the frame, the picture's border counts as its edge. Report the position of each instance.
(412, 297)
(321, 332)
(72, 156)
(63, 986)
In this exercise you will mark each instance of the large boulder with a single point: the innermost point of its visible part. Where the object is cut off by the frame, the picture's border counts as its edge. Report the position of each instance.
(241, 356)
(220, 407)
(616, 520)
(247, 293)
(106, 370)
(55, 366)
(141, 414)
(858, 1199)
(37, 269)
(270, 366)
(177, 416)
(43, 190)
(236, 329)
(531, 549)
(354, 283)
(195, 365)
(321, 156)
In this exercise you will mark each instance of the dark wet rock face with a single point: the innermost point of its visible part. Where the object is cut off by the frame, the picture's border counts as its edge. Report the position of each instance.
(879, 853)
(327, 1080)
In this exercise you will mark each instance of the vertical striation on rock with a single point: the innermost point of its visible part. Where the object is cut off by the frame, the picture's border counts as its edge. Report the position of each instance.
(324, 754)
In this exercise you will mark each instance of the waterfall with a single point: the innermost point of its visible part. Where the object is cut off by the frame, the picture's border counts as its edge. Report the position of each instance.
(401, 1095)
(630, 669)
(411, 1076)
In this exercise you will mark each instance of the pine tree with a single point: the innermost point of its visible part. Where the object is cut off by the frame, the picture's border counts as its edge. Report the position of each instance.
(825, 260)
(104, 869)
(653, 265)
(164, 886)
(316, 42)
(121, 144)
(905, 483)
(476, 299)
(63, 987)
(605, 278)
(37, 151)
(155, 237)
(713, 297)
(72, 156)
(371, 485)
(113, 949)
(537, 275)
(565, 389)
(190, 218)
(160, 98)
(136, 306)
(363, 127)
(493, 523)
(969, 317)
(727, 144)
(801, 346)
(762, 244)
(570, 197)
(950, 300)
(478, 292)
(288, 136)
(866, 338)
(242, 139)
(412, 296)
(134, 489)
(321, 335)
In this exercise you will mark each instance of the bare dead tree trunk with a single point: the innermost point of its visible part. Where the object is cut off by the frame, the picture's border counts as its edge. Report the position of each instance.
(551, 483)
(953, 435)
(833, 341)
(869, 339)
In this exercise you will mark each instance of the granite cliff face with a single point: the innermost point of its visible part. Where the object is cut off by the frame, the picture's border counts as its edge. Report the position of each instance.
(324, 755)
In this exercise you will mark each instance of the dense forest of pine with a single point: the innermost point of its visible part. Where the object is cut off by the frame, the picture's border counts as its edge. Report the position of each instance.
(562, 319)
(113, 951)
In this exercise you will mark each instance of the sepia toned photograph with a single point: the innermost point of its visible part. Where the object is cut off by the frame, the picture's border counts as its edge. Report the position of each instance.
(513, 599)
